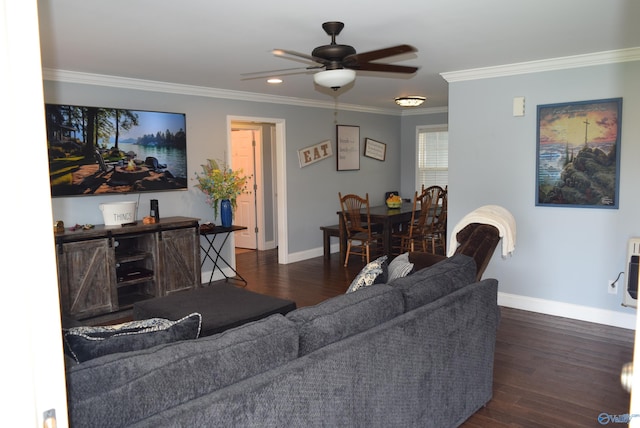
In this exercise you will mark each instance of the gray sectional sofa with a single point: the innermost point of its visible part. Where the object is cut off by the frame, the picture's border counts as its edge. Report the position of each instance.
(417, 352)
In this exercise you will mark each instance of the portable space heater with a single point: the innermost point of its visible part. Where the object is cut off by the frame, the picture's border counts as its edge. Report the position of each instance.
(630, 296)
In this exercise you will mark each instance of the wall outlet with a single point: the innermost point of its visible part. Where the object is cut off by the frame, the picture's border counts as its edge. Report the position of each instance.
(612, 287)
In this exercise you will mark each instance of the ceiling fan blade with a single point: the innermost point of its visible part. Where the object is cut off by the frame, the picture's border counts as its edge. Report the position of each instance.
(389, 68)
(293, 72)
(284, 52)
(365, 57)
(268, 72)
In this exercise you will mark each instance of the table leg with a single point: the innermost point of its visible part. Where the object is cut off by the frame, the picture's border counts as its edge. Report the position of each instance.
(343, 238)
(207, 254)
(218, 257)
(386, 236)
(326, 243)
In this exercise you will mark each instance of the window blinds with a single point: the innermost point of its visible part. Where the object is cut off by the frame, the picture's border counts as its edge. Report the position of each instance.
(433, 158)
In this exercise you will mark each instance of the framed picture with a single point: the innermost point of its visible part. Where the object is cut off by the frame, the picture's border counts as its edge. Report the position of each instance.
(315, 153)
(578, 154)
(375, 149)
(348, 138)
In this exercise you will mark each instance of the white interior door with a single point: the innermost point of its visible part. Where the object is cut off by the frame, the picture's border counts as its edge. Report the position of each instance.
(243, 155)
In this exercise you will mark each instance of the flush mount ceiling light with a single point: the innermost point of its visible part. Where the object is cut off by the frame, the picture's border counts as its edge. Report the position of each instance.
(334, 79)
(410, 101)
(274, 80)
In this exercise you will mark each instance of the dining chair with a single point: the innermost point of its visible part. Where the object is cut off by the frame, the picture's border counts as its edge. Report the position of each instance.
(360, 234)
(436, 229)
(416, 229)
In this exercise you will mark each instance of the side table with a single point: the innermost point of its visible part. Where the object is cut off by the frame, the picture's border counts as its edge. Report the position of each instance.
(210, 234)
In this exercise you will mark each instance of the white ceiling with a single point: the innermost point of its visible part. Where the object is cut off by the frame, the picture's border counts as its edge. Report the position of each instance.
(212, 43)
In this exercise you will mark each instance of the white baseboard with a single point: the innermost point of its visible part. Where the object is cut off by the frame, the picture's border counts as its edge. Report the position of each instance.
(268, 245)
(314, 252)
(533, 304)
(307, 254)
(568, 310)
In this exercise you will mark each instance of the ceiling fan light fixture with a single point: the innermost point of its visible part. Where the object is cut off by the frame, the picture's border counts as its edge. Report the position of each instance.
(410, 101)
(334, 79)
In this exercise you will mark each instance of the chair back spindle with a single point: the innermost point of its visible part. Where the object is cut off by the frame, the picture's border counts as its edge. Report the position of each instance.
(436, 229)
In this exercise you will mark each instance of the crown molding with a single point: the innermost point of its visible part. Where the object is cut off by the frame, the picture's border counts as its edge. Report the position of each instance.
(425, 111)
(200, 91)
(575, 61)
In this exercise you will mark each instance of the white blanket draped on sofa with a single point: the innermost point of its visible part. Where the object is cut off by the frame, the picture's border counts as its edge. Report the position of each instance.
(493, 215)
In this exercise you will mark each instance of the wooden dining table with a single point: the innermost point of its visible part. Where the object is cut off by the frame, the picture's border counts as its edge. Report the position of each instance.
(384, 216)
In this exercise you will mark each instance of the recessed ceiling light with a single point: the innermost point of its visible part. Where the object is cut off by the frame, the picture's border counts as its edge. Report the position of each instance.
(274, 80)
(410, 101)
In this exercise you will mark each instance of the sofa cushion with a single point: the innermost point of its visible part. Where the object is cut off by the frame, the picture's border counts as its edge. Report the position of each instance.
(85, 343)
(400, 267)
(374, 272)
(345, 315)
(432, 283)
(110, 391)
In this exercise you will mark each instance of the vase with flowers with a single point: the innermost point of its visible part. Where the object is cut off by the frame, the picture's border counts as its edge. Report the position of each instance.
(222, 185)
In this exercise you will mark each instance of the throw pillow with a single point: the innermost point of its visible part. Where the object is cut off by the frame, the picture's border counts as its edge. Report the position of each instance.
(86, 343)
(400, 267)
(373, 273)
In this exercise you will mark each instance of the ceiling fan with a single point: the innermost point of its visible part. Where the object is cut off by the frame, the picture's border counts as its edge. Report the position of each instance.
(340, 62)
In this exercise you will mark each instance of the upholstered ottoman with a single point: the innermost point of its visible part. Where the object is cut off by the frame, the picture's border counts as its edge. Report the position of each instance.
(222, 307)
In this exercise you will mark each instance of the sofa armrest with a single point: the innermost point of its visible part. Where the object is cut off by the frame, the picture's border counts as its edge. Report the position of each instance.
(478, 241)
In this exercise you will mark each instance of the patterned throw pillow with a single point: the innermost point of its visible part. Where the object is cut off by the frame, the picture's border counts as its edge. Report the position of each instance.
(400, 267)
(86, 343)
(373, 273)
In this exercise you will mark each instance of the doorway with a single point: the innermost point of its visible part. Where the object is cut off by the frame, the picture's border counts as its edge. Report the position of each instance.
(258, 144)
(246, 148)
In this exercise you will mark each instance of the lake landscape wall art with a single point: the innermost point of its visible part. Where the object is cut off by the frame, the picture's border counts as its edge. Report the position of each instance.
(578, 154)
(96, 150)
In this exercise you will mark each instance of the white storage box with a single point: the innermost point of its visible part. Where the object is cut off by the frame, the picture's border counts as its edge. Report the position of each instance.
(116, 213)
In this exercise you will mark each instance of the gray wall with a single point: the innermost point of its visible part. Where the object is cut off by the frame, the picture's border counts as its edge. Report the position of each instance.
(312, 192)
(564, 256)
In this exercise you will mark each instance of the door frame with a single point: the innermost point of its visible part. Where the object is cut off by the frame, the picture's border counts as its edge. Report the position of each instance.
(281, 178)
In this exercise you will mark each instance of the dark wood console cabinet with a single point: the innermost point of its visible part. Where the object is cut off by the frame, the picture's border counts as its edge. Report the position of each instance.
(107, 268)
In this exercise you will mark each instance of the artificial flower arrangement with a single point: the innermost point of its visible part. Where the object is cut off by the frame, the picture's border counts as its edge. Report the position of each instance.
(221, 183)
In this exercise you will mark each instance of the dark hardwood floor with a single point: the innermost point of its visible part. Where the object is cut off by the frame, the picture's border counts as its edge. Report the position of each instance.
(549, 371)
